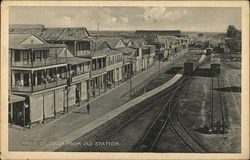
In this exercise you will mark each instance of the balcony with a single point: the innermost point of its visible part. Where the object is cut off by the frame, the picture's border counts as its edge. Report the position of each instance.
(98, 71)
(40, 63)
(40, 87)
(80, 77)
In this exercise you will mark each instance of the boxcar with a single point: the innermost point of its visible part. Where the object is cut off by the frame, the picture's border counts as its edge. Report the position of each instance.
(190, 66)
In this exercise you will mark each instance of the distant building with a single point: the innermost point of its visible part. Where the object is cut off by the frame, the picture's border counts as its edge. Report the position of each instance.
(158, 32)
(200, 37)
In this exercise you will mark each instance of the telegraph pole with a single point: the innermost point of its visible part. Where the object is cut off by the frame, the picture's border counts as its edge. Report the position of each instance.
(130, 80)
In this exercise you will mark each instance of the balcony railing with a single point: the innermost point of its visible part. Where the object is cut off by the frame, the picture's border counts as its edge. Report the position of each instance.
(80, 77)
(98, 71)
(39, 63)
(39, 87)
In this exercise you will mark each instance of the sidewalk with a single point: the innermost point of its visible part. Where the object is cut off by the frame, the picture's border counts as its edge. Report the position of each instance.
(35, 138)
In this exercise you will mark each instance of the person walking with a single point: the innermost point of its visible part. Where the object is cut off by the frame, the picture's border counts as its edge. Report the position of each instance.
(88, 107)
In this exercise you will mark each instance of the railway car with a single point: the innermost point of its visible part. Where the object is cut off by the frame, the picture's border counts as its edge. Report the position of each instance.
(190, 66)
(215, 64)
(209, 51)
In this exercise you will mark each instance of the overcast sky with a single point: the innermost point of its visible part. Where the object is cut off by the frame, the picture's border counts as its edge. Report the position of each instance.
(211, 19)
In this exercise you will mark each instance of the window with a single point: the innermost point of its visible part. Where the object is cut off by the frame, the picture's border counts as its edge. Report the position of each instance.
(38, 55)
(25, 55)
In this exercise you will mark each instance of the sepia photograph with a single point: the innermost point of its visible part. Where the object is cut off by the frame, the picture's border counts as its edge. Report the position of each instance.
(125, 78)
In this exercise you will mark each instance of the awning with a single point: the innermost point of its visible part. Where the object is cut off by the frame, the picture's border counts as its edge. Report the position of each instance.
(15, 98)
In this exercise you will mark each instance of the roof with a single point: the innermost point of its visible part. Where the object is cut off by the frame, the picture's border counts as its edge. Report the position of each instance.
(126, 49)
(16, 39)
(158, 32)
(138, 42)
(126, 41)
(100, 44)
(14, 98)
(55, 34)
(26, 26)
(77, 60)
(112, 41)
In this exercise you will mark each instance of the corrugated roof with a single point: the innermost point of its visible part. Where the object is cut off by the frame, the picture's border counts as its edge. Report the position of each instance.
(55, 34)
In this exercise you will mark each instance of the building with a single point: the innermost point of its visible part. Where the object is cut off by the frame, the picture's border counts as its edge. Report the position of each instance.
(158, 32)
(77, 39)
(79, 79)
(17, 114)
(38, 73)
(114, 68)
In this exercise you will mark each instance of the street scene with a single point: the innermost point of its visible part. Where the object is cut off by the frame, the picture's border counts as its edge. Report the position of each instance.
(125, 79)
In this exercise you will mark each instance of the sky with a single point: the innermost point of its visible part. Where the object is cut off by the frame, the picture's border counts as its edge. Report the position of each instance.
(203, 19)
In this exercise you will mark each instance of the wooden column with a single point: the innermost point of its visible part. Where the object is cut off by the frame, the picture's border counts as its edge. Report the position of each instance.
(54, 104)
(24, 117)
(43, 109)
(75, 50)
(11, 113)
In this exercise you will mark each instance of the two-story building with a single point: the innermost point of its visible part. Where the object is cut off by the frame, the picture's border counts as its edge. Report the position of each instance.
(79, 79)
(114, 67)
(126, 54)
(38, 73)
(76, 38)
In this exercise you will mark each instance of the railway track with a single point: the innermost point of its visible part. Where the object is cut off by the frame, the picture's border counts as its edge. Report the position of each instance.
(218, 115)
(149, 141)
(114, 126)
(184, 135)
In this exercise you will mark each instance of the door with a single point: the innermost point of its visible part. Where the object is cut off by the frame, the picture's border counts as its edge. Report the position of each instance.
(78, 92)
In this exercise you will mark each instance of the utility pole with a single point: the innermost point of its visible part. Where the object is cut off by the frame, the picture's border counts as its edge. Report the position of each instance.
(130, 79)
(212, 116)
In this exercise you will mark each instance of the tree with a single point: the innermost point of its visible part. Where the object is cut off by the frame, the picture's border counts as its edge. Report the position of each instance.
(233, 39)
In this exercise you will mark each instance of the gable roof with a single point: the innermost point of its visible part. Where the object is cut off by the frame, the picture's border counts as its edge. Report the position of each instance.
(138, 42)
(112, 41)
(126, 41)
(100, 45)
(55, 34)
(15, 41)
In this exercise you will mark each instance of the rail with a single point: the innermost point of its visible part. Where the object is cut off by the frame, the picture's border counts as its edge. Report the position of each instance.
(115, 126)
(150, 138)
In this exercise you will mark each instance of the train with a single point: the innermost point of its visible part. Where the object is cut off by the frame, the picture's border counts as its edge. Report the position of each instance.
(215, 63)
(190, 66)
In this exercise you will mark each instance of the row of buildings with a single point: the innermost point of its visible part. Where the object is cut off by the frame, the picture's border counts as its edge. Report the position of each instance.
(52, 69)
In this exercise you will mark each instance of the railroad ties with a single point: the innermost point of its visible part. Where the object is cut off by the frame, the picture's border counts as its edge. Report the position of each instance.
(149, 141)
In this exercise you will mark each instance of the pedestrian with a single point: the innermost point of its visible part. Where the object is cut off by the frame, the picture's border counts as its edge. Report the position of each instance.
(88, 108)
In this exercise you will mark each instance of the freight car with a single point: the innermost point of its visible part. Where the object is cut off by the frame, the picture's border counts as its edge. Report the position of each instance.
(190, 66)
(209, 51)
(215, 62)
